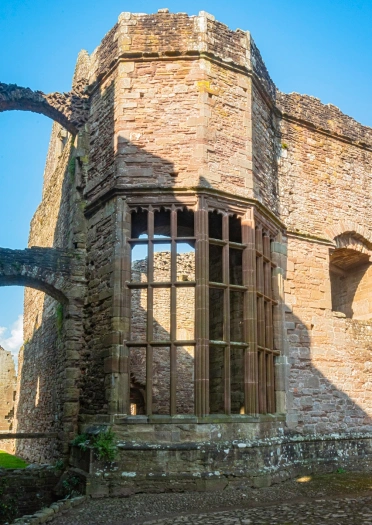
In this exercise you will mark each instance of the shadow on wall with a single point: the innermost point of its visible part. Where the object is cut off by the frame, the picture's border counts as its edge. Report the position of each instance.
(329, 375)
(317, 403)
(39, 406)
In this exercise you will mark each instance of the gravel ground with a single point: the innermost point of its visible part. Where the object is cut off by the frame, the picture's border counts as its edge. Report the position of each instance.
(340, 511)
(340, 499)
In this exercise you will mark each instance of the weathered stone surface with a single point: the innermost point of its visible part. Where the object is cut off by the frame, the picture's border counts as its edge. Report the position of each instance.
(8, 381)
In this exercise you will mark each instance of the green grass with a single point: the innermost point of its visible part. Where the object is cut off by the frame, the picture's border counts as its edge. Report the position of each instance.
(9, 461)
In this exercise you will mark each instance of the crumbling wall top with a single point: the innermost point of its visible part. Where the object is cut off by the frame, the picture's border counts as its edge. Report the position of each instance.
(324, 117)
(143, 36)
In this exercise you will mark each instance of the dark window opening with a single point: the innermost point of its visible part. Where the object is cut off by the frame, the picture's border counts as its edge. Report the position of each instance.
(162, 223)
(215, 225)
(139, 224)
(185, 223)
(351, 278)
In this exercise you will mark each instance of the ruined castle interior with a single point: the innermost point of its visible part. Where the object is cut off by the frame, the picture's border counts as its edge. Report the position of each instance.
(198, 271)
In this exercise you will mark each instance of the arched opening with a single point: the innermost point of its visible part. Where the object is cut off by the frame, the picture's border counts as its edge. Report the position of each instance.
(351, 279)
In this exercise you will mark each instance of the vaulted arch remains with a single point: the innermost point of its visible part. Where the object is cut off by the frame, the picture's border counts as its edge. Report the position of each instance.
(68, 109)
(45, 269)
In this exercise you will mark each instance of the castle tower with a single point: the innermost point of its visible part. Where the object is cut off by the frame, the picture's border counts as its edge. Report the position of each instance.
(204, 245)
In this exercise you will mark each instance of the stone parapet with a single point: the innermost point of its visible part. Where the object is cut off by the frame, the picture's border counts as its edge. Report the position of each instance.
(323, 117)
(172, 35)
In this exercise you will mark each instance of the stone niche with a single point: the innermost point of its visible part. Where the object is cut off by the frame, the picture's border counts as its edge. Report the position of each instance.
(351, 276)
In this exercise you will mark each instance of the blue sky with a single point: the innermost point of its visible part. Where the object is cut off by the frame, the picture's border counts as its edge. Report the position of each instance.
(321, 48)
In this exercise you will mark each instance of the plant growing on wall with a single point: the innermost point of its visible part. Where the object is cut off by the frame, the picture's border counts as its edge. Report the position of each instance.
(103, 444)
(70, 486)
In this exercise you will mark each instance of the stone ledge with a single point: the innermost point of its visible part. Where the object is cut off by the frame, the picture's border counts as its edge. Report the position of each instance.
(183, 419)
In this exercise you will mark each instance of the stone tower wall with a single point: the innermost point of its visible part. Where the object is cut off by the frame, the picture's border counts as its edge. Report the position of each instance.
(176, 99)
(99, 308)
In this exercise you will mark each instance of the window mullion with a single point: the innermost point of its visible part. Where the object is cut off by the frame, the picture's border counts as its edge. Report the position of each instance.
(173, 306)
(150, 313)
(201, 310)
(250, 316)
(226, 316)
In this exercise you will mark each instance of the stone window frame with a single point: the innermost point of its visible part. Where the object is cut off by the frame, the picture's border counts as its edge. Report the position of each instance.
(150, 343)
(259, 383)
(266, 303)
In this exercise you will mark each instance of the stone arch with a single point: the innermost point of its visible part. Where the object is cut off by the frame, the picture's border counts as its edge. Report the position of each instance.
(21, 280)
(60, 274)
(350, 229)
(68, 109)
(45, 269)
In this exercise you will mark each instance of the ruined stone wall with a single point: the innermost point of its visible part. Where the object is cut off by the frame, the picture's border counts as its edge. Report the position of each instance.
(42, 360)
(176, 103)
(329, 355)
(57, 142)
(324, 183)
(25, 491)
(39, 393)
(38, 401)
(8, 381)
(325, 168)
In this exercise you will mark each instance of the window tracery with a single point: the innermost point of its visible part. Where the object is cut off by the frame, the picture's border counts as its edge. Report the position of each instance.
(201, 336)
